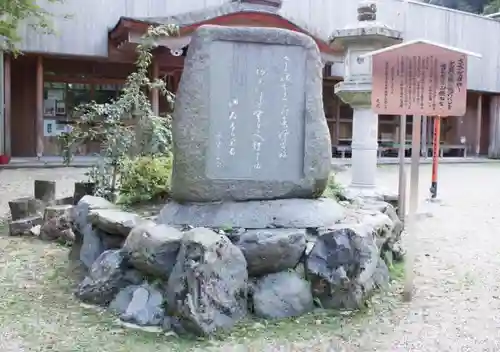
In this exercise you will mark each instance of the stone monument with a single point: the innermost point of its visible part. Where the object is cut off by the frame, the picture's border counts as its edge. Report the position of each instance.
(249, 120)
(360, 38)
(251, 145)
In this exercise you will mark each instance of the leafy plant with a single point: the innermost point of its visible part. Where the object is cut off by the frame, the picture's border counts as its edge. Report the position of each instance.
(334, 189)
(17, 12)
(145, 178)
(126, 128)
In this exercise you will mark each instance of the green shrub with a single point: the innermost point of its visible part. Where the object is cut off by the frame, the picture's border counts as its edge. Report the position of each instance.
(145, 178)
(334, 189)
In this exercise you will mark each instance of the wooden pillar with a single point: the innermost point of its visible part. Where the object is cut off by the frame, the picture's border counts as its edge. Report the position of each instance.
(155, 94)
(7, 103)
(39, 107)
(337, 120)
(479, 123)
(177, 80)
(425, 150)
(494, 146)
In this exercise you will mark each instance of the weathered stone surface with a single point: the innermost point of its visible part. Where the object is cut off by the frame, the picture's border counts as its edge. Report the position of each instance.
(23, 226)
(91, 247)
(65, 201)
(25, 207)
(76, 247)
(111, 241)
(57, 223)
(281, 295)
(345, 267)
(114, 221)
(83, 189)
(45, 191)
(207, 290)
(222, 150)
(392, 198)
(86, 237)
(272, 250)
(153, 249)
(382, 218)
(141, 305)
(281, 213)
(107, 276)
(85, 205)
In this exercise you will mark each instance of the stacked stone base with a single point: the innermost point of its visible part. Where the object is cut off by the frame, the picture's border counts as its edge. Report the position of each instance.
(200, 268)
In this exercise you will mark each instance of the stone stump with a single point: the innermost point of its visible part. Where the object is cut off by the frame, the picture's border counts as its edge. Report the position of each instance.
(57, 224)
(83, 189)
(45, 191)
(23, 226)
(25, 207)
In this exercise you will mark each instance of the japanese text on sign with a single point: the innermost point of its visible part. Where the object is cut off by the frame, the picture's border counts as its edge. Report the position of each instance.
(420, 79)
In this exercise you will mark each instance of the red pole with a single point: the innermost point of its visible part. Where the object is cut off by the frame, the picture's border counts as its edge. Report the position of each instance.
(435, 156)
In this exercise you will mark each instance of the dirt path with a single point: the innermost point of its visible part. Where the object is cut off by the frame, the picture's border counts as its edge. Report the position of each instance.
(455, 307)
(457, 302)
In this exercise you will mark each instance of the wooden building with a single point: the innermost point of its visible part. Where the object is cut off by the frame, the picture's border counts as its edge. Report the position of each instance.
(92, 53)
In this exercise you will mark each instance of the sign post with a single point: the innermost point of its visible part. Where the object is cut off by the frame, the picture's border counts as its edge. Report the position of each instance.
(435, 156)
(402, 171)
(418, 78)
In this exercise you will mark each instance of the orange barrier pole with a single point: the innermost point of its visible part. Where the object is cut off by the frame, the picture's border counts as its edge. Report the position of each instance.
(435, 156)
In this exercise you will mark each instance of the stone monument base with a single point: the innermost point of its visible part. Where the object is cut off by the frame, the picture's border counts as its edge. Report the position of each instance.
(281, 213)
(336, 248)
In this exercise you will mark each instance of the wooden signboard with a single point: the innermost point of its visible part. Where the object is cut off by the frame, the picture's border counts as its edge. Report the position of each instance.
(420, 79)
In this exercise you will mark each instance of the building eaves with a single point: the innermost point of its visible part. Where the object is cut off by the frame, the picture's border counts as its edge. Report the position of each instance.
(194, 17)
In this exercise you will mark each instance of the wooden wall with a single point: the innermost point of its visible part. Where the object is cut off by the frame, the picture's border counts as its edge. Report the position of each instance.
(86, 32)
(23, 75)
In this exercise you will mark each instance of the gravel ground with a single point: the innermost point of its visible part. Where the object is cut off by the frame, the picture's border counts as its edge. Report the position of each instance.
(457, 266)
(19, 183)
(454, 309)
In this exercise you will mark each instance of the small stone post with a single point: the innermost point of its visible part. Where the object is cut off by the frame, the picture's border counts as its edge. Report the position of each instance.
(45, 191)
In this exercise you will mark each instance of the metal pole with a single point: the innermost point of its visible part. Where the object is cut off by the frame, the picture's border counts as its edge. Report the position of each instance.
(410, 222)
(435, 156)
(402, 171)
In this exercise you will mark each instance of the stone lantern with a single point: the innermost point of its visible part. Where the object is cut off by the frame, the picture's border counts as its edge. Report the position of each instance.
(360, 38)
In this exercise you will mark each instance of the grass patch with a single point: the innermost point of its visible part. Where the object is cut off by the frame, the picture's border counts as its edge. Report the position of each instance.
(397, 271)
(40, 313)
(334, 189)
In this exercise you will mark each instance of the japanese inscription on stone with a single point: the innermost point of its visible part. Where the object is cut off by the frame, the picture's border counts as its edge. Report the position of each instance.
(257, 104)
(420, 79)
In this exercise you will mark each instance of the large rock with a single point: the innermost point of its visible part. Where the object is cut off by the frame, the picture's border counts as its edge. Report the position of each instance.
(153, 249)
(88, 242)
(264, 135)
(281, 213)
(281, 295)
(382, 217)
(272, 250)
(57, 224)
(85, 205)
(108, 275)
(207, 289)
(114, 221)
(345, 267)
(91, 246)
(141, 305)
